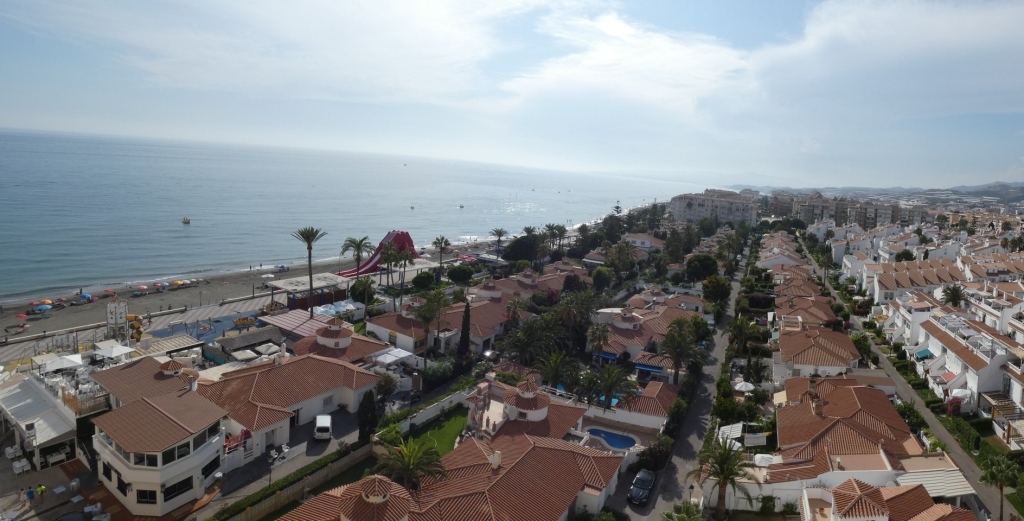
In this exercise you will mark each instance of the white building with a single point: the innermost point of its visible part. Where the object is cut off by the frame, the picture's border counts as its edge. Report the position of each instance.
(723, 205)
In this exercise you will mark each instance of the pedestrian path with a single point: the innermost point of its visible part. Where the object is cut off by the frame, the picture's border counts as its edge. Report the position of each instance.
(240, 308)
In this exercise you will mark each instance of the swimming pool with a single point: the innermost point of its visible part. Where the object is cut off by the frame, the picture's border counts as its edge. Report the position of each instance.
(613, 439)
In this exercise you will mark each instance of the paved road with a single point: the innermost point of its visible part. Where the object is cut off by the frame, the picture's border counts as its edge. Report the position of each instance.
(672, 486)
(988, 494)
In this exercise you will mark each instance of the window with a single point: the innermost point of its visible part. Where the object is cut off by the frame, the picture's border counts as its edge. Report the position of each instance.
(328, 401)
(169, 456)
(144, 460)
(199, 440)
(213, 430)
(211, 467)
(145, 497)
(184, 449)
(106, 471)
(177, 489)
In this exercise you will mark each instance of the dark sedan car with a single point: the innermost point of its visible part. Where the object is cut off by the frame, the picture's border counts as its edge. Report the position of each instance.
(643, 484)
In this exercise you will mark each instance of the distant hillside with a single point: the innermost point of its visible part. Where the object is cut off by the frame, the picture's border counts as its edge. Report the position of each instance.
(989, 186)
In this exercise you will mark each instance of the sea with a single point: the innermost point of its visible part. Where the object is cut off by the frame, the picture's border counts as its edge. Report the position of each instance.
(87, 211)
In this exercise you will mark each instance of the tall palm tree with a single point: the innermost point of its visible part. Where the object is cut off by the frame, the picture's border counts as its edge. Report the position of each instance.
(616, 383)
(953, 295)
(560, 232)
(406, 258)
(358, 248)
(309, 236)
(499, 233)
(727, 466)
(552, 231)
(597, 336)
(582, 233)
(514, 313)
(431, 311)
(999, 472)
(440, 244)
(569, 313)
(740, 332)
(389, 256)
(529, 230)
(410, 462)
(679, 346)
(554, 366)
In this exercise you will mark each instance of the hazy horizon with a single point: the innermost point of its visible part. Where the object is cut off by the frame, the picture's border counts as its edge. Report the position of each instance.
(791, 93)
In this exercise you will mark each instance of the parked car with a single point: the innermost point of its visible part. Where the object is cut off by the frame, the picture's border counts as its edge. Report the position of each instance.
(643, 484)
(415, 397)
(323, 427)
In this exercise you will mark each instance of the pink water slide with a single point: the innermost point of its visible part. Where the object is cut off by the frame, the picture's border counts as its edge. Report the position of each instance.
(401, 240)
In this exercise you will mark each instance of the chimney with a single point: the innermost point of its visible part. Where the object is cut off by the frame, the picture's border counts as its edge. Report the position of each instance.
(816, 407)
(193, 384)
(496, 460)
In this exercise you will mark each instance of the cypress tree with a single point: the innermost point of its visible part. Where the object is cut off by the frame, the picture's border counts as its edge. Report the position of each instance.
(464, 334)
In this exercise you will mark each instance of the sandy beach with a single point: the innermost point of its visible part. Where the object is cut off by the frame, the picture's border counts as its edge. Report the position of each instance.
(221, 286)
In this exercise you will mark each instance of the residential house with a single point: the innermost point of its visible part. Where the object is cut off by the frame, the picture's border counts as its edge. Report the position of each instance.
(856, 500)
(643, 241)
(510, 477)
(807, 351)
(338, 340)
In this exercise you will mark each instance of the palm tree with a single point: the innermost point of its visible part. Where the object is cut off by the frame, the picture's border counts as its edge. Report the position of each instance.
(679, 346)
(561, 232)
(554, 367)
(999, 472)
(406, 258)
(582, 233)
(953, 295)
(514, 313)
(358, 247)
(310, 236)
(552, 231)
(525, 342)
(569, 313)
(727, 466)
(410, 462)
(498, 234)
(440, 243)
(529, 230)
(616, 383)
(389, 256)
(740, 332)
(430, 311)
(685, 511)
(597, 336)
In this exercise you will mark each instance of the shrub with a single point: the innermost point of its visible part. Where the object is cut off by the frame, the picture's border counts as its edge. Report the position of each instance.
(767, 505)
(657, 454)
(919, 383)
(874, 359)
(460, 274)
(392, 435)
(932, 401)
(937, 408)
(789, 508)
(953, 407)
(901, 355)
(441, 371)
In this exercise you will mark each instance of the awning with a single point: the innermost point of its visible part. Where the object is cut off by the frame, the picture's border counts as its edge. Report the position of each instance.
(939, 483)
(651, 368)
(609, 356)
(949, 376)
(924, 353)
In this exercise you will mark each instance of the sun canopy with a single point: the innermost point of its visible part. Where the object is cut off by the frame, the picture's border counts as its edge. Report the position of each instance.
(731, 431)
(113, 351)
(924, 353)
(963, 394)
(609, 356)
(939, 483)
(64, 362)
(390, 356)
(27, 405)
(244, 355)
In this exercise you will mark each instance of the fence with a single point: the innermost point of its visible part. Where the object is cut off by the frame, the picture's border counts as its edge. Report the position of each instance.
(299, 490)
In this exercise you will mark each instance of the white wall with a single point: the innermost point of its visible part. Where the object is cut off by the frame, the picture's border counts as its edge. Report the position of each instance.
(401, 341)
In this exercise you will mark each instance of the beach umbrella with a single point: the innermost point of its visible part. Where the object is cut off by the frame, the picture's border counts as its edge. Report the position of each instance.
(34, 303)
(177, 283)
(744, 386)
(268, 276)
(46, 301)
(44, 307)
(21, 315)
(85, 295)
(193, 280)
(141, 287)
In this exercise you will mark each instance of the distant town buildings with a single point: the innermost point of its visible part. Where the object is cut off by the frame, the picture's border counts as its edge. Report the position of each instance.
(723, 205)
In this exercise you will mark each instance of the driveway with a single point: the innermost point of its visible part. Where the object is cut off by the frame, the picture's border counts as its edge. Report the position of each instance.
(672, 485)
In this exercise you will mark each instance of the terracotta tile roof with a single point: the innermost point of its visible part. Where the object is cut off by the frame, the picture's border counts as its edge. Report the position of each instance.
(944, 512)
(811, 310)
(798, 388)
(655, 360)
(373, 498)
(153, 424)
(539, 479)
(358, 348)
(906, 502)
(400, 324)
(961, 351)
(261, 396)
(655, 400)
(798, 288)
(139, 378)
(854, 498)
(817, 347)
(514, 398)
(560, 418)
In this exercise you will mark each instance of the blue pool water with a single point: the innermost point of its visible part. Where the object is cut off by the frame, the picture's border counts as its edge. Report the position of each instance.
(616, 441)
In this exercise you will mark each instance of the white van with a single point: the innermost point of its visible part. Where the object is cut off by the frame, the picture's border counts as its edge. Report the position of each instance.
(323, 427)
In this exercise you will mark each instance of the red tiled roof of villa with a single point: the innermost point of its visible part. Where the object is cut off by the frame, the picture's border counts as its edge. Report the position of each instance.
(817, 347)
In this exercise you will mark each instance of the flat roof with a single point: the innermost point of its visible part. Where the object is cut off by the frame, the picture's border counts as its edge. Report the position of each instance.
(301, 284)
(939, 483)
(27, 403)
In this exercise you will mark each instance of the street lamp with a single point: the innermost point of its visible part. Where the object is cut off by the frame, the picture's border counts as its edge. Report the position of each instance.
(691, 492)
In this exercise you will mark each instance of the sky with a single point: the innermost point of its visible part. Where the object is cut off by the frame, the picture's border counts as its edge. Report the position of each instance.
(784, 93)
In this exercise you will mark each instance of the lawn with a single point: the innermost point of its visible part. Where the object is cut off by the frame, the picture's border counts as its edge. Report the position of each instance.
(443, 430)
(360, 327)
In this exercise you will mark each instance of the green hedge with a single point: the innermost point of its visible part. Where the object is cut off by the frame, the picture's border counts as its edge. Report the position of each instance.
(963, 432)
(239, 506)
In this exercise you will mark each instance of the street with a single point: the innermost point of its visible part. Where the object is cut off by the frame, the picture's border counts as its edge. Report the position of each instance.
(672, 485)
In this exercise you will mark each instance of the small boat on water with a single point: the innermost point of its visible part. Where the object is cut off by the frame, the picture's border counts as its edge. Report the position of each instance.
(412, 207)
(460, 206)
(186, 220)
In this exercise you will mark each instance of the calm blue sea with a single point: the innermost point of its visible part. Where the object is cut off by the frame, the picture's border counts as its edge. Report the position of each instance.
(79, 211)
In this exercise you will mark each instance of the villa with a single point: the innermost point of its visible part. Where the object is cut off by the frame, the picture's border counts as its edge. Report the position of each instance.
(511, 477)
(337, 340)
(806, 351)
